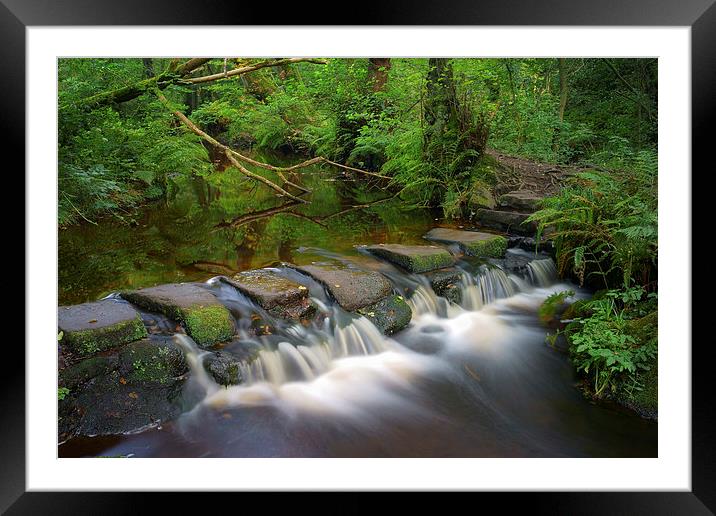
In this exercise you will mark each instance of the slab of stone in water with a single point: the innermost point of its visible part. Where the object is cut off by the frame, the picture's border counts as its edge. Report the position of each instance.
(92, 327)
(414, 258)
(472, 243)
(278, 295)
(205, 319)
(351, 288)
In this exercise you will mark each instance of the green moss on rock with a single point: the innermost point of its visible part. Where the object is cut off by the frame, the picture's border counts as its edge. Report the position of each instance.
(205, 319)
(489, 248)
(208, 324)
(147, 361)
(89, 342)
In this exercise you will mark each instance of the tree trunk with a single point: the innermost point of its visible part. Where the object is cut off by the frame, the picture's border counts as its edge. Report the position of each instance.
(453, 138)
(378, 72)
(148, 67)
(563, 87)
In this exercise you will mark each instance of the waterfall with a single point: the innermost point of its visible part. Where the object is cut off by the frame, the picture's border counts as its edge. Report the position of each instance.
(489, 285)
(303, 362)
(542, 273)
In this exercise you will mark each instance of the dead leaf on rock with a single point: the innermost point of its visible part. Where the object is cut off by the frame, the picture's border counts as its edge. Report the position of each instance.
(133, 395)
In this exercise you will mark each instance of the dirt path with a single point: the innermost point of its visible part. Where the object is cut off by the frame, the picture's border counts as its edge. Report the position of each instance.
(524, 174)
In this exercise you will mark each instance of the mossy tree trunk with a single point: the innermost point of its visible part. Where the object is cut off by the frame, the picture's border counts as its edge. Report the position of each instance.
(454, 139)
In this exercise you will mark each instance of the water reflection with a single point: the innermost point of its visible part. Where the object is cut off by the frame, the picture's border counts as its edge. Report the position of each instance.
(224, 223)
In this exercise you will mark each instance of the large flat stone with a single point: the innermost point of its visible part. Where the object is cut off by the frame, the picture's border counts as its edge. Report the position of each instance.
(507, 221)
(472, 243)
(92, 327)
(277, 295)
(205, 319)
(414, 258)
(351, 288)
(520, 200)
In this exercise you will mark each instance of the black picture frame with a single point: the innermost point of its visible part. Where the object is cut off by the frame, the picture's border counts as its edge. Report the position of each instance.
(700, 15)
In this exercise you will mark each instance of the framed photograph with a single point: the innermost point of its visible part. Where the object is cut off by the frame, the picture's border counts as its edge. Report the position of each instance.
(415, 256)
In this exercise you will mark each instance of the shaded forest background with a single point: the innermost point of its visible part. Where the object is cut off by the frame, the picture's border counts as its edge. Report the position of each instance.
(423, 122)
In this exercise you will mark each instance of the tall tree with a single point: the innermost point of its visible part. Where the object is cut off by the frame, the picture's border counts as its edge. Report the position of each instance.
(453, 138)
(378, 68)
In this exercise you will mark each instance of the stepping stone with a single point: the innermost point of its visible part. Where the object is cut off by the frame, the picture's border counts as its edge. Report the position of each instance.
(351, 288)
(92, 327)
(520, 200)
(507, 221)
(390, 314)
(414, 258)
(472, 243)
(277, 295)
(205, 319)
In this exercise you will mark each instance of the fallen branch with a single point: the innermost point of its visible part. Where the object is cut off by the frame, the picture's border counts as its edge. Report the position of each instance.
(177, 74)
(227, 151)
(250, 68)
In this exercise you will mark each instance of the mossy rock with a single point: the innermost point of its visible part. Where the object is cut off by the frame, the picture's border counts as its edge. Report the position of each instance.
(208, 325)
(224, 368)
(157, 360)
(90, 328)
(205, 319)
(446, 283)
(472, 243)
(389, 315)
(414, 258)
(139, 386)
(480, 196)
(74, 375)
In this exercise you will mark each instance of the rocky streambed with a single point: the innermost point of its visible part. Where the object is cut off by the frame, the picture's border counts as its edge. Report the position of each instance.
(123, 371)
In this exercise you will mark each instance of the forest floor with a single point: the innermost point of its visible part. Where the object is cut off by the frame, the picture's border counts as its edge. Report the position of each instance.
(516, 173)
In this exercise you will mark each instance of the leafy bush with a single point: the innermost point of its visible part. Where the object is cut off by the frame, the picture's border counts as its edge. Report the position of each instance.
(607, 347)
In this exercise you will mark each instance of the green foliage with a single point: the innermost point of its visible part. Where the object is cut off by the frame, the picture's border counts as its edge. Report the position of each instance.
(550, 306)
(608, 347)
(62, 393)
(605, 225)
(115, 158)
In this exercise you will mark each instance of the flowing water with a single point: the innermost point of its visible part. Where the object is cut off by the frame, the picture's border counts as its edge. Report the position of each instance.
(470, 380)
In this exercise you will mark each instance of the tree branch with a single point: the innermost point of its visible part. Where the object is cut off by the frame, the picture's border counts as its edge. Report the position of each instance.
(251, 68)
(229, 153)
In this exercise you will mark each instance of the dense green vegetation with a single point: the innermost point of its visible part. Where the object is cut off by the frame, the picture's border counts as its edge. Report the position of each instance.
(425, 127)
(422, 122)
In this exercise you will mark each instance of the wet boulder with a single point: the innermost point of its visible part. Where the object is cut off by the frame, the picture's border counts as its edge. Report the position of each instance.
(93, 327)
(472, 243)
(139, 386)
(389, 315)
(276, 294)
(414, 258)
(205, 319)
(224, 368)
(351, 288)
(446, 283)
